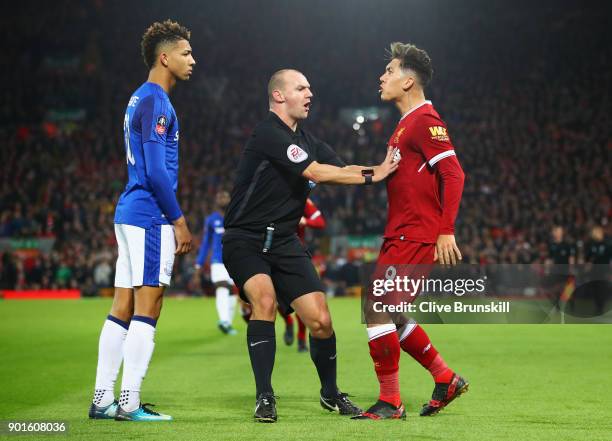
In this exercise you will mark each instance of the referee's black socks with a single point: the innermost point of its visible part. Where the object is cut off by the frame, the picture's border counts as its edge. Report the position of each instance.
(323, 354)
(261, 340)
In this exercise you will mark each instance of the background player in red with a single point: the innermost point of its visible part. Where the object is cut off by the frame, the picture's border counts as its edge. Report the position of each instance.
(423, 200)
(312, 218)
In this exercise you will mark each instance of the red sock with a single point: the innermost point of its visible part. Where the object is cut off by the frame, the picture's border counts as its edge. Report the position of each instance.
(301, 329)
(385, 352)
(418, 345)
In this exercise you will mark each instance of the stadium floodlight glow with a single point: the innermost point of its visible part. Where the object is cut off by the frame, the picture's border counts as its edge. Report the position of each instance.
(360, 119)
(356, 126)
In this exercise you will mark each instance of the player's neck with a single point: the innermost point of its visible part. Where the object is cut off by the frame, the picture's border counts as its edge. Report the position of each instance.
(291, 122)
(163, 78)
(409, 101)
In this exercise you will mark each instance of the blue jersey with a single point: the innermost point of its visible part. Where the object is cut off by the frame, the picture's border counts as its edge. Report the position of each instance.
(151, 134)
(213, 232)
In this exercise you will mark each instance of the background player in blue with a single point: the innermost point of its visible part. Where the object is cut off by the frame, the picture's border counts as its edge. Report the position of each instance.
(213, 232)
(149, 226)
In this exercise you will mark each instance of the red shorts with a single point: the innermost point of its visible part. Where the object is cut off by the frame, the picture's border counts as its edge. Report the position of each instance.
(403, 259)
(405, 252)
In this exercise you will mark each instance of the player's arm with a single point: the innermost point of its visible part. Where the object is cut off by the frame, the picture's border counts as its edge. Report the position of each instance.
(205, 247)
(312, 216)
(434, 143)
(452, 177)
(154, 149)
(157, 175)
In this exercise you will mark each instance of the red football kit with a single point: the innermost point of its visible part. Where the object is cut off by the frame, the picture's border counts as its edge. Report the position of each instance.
(423, 196)
(313, 217)
(425, 191)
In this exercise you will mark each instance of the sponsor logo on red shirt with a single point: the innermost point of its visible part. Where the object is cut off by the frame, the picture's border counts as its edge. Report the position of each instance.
(439, 133)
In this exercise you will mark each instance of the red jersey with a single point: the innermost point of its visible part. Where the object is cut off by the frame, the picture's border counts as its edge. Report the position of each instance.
(425, 191)
(314, 219)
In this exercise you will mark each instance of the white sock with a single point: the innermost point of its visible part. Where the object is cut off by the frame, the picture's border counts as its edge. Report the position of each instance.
(139, 345)
(406, 330)
(222, 300)
(380, 330)
(110, 355)
(232, 308)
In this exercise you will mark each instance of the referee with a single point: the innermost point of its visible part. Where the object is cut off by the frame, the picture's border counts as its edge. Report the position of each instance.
(280, 163)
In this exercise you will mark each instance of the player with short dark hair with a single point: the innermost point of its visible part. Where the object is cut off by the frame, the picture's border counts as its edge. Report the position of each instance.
(149, 226)
(423, 200)
(280, 164)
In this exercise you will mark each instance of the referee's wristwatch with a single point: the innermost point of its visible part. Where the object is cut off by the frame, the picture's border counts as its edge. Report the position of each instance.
(367, 173)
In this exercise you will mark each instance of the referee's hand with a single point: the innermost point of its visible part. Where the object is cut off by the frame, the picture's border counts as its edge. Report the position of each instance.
(183, 236)
(388, 166)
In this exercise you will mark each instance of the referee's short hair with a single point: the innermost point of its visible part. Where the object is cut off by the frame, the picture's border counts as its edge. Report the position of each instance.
(413, 58)
(277, 81)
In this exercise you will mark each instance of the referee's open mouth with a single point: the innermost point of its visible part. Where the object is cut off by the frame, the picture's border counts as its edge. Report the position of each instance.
(307, 106)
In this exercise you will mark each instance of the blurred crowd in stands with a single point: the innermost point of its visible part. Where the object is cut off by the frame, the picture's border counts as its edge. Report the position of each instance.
(525, 91)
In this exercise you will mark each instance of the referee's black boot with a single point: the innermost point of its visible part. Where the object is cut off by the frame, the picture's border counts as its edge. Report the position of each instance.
(265, 408)
(339, 403)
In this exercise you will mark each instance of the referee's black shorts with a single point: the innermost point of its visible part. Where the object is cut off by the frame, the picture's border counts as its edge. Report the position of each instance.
(288, 264)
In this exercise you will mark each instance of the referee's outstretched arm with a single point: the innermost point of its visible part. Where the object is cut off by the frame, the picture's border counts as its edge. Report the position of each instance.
(352, 174)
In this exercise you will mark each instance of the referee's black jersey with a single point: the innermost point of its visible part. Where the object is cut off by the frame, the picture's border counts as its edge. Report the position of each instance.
(269, 186)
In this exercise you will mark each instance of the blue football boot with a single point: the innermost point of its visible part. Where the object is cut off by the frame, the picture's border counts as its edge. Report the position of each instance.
(103, 413)
(143, 413)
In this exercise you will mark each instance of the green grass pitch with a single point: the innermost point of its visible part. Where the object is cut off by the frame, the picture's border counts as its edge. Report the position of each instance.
(528, 382)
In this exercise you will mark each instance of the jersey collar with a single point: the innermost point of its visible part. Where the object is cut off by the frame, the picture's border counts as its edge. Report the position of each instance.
(274, 117)
(156, 86)
(414, 108)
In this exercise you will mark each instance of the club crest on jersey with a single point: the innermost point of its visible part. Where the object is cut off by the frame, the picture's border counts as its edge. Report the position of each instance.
(160, 126)
(439, 133)
(296, 154)
(397, 137)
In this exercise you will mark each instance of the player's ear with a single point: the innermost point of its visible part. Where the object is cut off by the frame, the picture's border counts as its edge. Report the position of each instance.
(408, 83)
(163, 59)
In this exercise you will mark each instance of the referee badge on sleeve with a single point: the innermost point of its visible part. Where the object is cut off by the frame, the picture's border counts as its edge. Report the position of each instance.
(296, 154)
